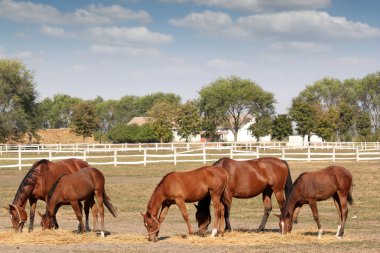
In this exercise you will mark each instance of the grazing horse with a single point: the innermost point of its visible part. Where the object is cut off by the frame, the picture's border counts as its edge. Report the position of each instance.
(72, 189)
(310, 187)
(248, 179)
(36, 185)
(185, 187)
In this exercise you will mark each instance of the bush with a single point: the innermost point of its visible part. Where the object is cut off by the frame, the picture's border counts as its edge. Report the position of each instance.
(132, 134)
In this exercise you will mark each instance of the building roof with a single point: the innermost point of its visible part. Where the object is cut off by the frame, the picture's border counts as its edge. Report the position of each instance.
(138, 121)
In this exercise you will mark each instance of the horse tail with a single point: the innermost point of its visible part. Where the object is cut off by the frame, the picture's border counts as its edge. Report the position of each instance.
(203, 208)
(288, 183)
(350, 200)
(110, 207)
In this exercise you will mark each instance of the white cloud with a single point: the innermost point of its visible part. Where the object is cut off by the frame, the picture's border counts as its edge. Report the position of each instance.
(294, 25)
(107, 50)
(21, 11)
(120, 13)
(307, 47)
(183, 71)
(225, 64)
(259, 5)
(139, 34)
(210, 23)
(313, 24)
(54, 31)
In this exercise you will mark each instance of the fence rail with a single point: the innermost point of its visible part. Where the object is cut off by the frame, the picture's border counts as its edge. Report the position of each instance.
(19, 156)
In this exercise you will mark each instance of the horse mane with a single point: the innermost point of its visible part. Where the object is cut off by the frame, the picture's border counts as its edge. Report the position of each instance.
(291, 194)
(157, 188)
(52, 189)
(29, 178)
(219, 162)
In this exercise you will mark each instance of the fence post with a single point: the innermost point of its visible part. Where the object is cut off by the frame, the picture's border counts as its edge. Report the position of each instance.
(50, 155)
(204, 155)
(308, 154)
(357, 154)
(84, 155)
(175, 156)
(115, 158)
(145, 157)
(283, 152)
(257, 152)
(231, 152)
(333, 154)
(19, 158)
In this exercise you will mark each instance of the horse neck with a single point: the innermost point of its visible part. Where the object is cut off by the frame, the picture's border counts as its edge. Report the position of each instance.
(53, 200)
(28, 185)
(155, 201)
(291, 202)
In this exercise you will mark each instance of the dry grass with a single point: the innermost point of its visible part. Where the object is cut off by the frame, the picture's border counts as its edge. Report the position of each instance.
(131, 186)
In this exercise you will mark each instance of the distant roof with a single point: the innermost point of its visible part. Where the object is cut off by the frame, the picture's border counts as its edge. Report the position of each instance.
(138, 121)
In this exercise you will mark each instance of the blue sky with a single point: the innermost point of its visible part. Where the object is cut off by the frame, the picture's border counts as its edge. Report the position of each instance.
(137, 47)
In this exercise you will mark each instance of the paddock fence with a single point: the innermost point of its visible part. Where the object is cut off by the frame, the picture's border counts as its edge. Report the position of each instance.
(20, 156)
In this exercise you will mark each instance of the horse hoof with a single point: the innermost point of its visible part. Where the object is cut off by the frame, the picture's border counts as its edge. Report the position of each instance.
(339, 237)
(214, 232)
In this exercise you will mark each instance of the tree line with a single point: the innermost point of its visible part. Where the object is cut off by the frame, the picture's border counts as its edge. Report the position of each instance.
(335, 110)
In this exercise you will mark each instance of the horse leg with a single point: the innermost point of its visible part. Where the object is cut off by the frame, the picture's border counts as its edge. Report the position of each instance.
(344, 207)
(314, 209)
(99, 198)
(33, 204)
(164, 211)
(267, 208)
(182, 206)
(227, 202)
(87, 204)
(95, 212)
(217, 213)
(77, 206)
(339, 209)
(297, 210)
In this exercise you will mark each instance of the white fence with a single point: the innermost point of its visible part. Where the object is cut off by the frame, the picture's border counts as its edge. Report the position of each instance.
(19, 156)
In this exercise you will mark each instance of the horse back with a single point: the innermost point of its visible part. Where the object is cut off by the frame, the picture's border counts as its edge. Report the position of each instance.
(249, 178)
(195, 184)
(81, 184)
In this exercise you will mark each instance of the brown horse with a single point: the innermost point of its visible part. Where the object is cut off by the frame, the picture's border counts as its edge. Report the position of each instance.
(72, 189)
(36, 185)
(185, 187)
(248, 179)
(310, 187)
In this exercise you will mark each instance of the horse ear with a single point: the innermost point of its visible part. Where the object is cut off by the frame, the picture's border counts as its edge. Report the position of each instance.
(277, 215)
(41, 215)
(11, 207)
(142, 214)
(196, 206)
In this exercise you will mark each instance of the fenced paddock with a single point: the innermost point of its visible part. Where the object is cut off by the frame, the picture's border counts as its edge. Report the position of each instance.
(130, 187)
(19, 156)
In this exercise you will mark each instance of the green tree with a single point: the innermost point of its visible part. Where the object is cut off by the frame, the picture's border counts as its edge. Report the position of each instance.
(282, 127)
(58, 110)
(325, 123)
(261, 127)
(17, 101)
(188, 120)
(304, 115)
(363, 126)
(368, 97)
(161, 119)
(233, 102)
(84, 121)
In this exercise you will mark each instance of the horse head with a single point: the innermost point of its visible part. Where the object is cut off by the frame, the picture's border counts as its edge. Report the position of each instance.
(152, 225)
(47, 221)
(18, 216)
(285, 222)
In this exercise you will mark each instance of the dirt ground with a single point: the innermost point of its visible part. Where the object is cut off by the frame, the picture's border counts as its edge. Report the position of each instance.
(131, 187)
